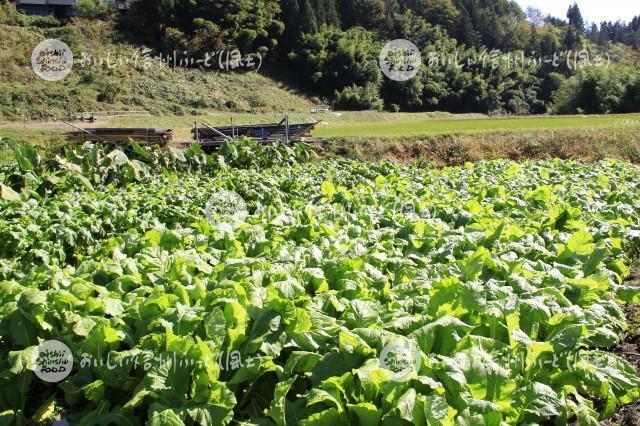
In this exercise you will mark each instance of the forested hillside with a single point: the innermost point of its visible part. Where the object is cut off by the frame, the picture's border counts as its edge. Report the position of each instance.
(486, 56)
(479, 55)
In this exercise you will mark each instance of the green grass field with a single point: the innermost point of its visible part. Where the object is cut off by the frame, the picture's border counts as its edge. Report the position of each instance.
(346, 125)
(387, 125)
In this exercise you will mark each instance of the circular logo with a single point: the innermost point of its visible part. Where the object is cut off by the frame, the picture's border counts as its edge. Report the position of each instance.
(400, 60)
(52, 60)
(224, 207)
(402, 359)
(53, 361)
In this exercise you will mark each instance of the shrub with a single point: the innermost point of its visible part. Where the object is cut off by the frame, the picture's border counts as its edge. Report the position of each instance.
(600, 91)
(94, 9)
(358, 97)
(110, 91)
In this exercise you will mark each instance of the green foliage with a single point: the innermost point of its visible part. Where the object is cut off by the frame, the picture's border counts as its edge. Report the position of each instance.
(600, 91)
(95, 9)
(616, 32)
(335, 59)
(438, 12)
(507, 279)
(456, 30)
(250, 26)
(358, 98)
(10, 16)
(109, 91)
(344, 62)
(110, 70)
(575, 18)
(330, 48)
(494, 24)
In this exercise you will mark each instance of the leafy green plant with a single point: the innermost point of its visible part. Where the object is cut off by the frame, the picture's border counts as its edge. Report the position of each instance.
(507, 277)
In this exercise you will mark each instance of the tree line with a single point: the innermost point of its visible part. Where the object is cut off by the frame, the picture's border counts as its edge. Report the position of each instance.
(331, 48)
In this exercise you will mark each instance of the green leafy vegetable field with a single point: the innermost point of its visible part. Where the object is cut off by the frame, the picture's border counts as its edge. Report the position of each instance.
(347, 293)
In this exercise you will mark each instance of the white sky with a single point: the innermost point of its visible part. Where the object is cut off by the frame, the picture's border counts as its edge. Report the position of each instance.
(592, 10)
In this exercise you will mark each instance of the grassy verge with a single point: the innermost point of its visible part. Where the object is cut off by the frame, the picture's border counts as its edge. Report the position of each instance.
(445, 150)
(454, 140)
(386, 125)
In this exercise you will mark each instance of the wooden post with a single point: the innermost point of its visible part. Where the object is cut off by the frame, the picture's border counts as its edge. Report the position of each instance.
(286, 131)
(282, 122)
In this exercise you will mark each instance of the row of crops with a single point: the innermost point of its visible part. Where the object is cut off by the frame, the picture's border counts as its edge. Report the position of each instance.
(327, 293)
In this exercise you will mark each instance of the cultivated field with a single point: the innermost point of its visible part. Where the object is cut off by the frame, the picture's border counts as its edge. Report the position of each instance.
(313, 293)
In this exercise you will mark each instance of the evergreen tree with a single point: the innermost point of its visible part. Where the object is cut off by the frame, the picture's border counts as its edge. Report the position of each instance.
(309, 22)
(292, 27)
(391, 9)
(592, 34)
(575, 18)
(367, 14)
(331, 14)
(465, 32)
(319, 10)
(603, 34)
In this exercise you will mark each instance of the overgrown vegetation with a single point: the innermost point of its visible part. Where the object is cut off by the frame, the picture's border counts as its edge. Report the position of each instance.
(111, 74)
(503, 281)
(457, 149)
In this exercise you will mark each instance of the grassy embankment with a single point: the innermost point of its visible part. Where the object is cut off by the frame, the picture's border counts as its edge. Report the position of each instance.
(126, 84)
(455, 140)
(435, 138)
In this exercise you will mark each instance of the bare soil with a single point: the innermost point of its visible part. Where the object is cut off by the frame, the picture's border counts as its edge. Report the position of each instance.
(629, 349)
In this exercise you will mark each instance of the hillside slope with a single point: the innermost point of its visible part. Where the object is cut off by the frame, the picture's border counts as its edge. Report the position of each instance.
(127, 84)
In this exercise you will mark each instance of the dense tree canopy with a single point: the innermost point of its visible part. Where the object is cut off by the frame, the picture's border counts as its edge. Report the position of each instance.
(249, 25)
(331, 47)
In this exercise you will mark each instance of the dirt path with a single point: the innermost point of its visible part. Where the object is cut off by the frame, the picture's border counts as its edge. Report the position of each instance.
(181, 132)
(38, 125)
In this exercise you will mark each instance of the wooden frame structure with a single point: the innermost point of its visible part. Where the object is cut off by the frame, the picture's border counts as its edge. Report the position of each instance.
(210, 136)
(145, 136)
